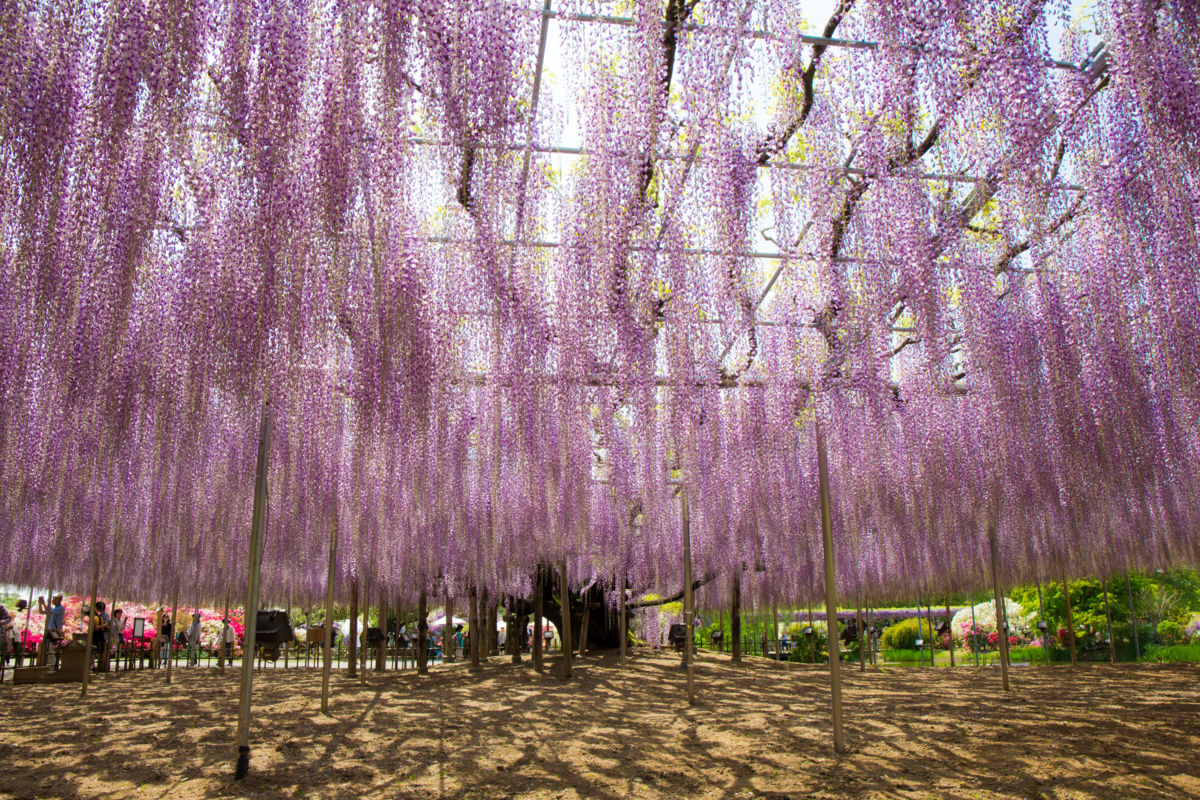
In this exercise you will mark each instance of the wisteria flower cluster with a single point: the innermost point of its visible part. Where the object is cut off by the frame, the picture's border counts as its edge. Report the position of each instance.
(968, 252)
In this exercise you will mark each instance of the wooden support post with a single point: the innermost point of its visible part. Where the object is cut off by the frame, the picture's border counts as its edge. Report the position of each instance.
(362, 655)
(87, 664)
(1070, 620)
(1112, 642)
(422, 633)
(1001, 619)
(327, 664)
(775, 627)
(812, 635)
(538, 588)
(862, 656)
(492, 629)
(1137, 647)
(565, 601)
(224, 634)
(587, 616)
(352, 644)
(689, 603)
(174, 630)
(448, 655)
(381, 649)
(949, 628)
(735, 616)
(474, 631)
(835, 677)
(257, 525)
(622, 622)
(1042, 617)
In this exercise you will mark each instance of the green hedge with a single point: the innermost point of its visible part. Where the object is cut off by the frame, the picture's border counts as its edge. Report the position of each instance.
(904, 635)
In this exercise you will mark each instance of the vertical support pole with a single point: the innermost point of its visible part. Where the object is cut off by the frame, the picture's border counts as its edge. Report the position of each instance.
(835, 677)
(1132, 618)
(87, 664)
(862, 656)
(932, 633)
(538, 589)
(1112, 643)
(974, 629)
(362, 655)
(381, 653)
(174, 630)
(689, 607)
(1070, 619)
(1042, 617)
(327, 665)
(352, 645)
(448, 655)
(224, 636)
(585, 599)
(812, 634)
(623, 622)
(921, 648)
(287, 646)
(1001, 617)
(566, 618)
(257, 524)
(422, 634)
(735, 616)
(473, 630)
(775, 621)
(949, 627)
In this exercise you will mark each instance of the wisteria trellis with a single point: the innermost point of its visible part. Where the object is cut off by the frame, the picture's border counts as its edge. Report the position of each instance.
(482, 355)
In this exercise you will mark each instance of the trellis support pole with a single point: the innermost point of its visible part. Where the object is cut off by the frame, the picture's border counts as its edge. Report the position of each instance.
(257, 524)
(835, 677)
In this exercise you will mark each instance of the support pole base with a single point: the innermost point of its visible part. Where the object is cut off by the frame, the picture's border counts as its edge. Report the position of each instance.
(243, 763)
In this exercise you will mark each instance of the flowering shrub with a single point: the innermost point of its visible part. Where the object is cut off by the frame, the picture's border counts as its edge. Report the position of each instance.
(1019, 622)
(1193, 630)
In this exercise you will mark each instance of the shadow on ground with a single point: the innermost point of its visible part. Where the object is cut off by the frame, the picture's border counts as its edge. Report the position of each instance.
(759, 730)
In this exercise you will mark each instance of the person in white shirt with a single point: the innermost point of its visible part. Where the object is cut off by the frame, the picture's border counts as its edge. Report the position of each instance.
(230, 638)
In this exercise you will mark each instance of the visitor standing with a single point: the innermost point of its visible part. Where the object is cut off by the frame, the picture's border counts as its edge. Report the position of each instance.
(165, 632)
(18, 642)
(54, 627)
(116, 636)
(100, 635)
(193, 637)
(229, 639)
(6, 625)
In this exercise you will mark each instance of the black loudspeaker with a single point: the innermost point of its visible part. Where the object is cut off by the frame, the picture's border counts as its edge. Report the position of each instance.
(274, 629)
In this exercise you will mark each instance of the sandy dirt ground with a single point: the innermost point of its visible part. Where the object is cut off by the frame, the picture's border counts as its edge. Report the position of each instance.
(758, 730)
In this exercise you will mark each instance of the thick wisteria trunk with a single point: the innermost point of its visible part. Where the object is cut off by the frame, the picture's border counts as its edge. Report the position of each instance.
(352, 644)
(1070, 620)
(735, 615)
